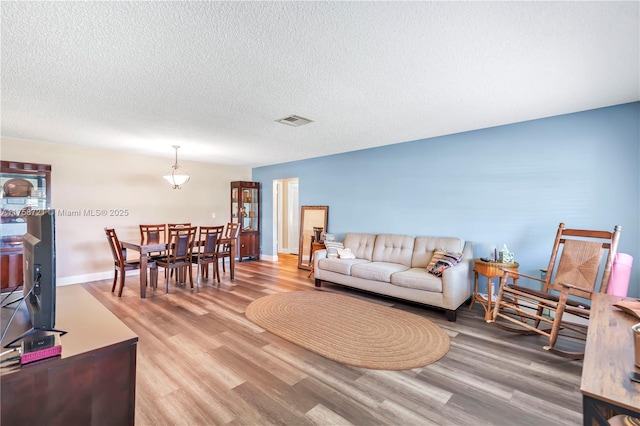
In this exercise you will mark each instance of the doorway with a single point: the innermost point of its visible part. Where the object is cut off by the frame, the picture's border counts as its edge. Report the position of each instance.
(287, 214)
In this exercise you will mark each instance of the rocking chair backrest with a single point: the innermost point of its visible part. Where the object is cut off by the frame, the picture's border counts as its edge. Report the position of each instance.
(579, 254)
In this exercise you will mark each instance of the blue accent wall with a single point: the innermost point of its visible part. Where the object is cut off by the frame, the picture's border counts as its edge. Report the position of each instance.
(510, 184)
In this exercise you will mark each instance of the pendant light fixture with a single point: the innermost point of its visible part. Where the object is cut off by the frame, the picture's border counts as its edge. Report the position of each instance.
(177, 176)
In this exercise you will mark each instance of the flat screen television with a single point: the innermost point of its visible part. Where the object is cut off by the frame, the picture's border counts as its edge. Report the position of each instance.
(39, 272)
(39, 268)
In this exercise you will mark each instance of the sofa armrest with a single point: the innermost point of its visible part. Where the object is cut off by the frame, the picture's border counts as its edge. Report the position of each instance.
(457, 281)
(317, 255)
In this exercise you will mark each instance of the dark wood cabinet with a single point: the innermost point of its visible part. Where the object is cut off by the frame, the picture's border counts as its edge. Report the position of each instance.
(93, 381)
(23, 186)
(245, 210)
(11, 267)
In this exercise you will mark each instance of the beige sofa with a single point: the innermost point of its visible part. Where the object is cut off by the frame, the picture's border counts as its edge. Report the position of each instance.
(396, 266)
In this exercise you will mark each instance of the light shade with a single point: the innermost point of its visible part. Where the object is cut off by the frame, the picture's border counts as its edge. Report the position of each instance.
(177, 176)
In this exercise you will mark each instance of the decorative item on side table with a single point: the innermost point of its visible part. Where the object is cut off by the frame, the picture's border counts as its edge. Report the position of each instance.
(490, 269)
(505, 255)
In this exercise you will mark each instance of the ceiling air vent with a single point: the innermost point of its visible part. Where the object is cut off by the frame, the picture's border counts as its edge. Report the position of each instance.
(295, 120)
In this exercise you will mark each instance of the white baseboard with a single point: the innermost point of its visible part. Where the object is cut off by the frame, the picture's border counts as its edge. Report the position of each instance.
(86, 278)
(108, 275)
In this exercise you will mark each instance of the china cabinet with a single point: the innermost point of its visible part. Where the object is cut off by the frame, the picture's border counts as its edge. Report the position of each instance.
(245, 210)
(23, 186)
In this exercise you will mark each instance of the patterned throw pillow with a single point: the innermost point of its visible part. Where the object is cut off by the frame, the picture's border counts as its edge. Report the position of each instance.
(442, 260)
(332, 248)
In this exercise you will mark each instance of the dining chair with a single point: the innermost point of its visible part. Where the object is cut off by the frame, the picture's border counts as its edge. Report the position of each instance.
(207, 252)
(179, 253)
(121, 264)
(218, 229)
(153, 234)
(224, 251)
(171, 226)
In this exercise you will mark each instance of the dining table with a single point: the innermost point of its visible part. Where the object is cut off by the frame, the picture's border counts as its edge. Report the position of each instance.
(145, 249)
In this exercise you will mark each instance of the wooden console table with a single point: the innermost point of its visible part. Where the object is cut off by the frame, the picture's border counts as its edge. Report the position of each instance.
(319, 245)
(93, 382)
(608, 360)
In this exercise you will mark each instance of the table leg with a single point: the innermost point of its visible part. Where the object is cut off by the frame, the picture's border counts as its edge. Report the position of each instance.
(489, 311)
(143, 275)
(232, 261)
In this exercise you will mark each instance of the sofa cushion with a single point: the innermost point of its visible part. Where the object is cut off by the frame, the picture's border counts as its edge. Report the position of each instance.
(376, 271)
(442, 260)
(360, 244)
(341, 266)
(419, 279)
(424, 247)
(393, 249)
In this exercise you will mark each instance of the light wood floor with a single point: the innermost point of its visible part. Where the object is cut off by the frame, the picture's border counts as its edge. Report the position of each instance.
(201, 362)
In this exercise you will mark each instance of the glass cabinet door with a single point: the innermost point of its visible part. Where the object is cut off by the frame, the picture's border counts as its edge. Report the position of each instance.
(19, 192)
(249, 209)
(23, 186)
(234, 205)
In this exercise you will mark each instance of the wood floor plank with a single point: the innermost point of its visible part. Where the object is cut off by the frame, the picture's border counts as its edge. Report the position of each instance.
(201, 362)
(400, 414)
(321, 415)
(271, 410)
(274, 365)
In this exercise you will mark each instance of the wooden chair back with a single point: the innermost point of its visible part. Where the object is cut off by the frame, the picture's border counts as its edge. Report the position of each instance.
(181, 244)
(178, 225)
(119, 253)
(208, 238)
(121, 264)
(577, 259)
(153, 234)
(233, 230)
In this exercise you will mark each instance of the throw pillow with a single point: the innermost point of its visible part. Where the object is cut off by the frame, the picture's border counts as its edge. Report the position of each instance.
(332, 248)
(442, 260)
(346, 253)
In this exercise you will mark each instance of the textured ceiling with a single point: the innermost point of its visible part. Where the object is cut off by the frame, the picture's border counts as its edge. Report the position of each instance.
(214, 77)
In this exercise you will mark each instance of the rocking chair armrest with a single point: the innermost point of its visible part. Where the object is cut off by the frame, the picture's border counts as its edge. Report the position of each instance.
(568, 287)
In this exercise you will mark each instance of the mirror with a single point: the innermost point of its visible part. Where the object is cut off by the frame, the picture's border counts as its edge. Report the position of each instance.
(313, 222)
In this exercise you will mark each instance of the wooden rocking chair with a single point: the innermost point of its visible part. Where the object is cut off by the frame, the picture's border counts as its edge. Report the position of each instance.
(561, 307)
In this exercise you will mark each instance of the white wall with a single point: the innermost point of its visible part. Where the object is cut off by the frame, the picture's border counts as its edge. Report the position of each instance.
(87, 179)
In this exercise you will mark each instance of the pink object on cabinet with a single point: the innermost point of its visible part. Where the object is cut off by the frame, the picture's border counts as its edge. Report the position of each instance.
(620, 275)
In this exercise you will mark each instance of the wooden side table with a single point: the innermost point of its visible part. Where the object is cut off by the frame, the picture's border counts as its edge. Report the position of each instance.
(490, 270)
(314, 246)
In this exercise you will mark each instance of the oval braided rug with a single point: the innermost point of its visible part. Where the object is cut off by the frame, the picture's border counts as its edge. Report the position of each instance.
(349, 330)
